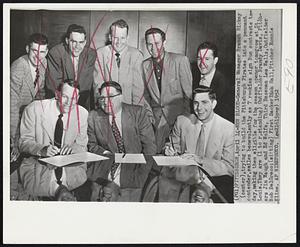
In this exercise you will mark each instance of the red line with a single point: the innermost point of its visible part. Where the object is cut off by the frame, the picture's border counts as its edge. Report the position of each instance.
(202, 58)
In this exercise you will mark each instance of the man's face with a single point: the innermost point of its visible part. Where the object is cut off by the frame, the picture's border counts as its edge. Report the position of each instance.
(155, 45)
(110, 100)
(199, 196)
(203, 106)
(76, 43)
(36, 53)
(69, 96)
(118, 37)
(206, 61)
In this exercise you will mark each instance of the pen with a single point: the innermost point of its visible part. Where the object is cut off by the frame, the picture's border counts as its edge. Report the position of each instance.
(123, 155)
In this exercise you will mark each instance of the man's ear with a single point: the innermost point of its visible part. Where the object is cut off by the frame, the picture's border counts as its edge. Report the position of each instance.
(214, 103)
(27, 49)
(216, 59)
(67, 40)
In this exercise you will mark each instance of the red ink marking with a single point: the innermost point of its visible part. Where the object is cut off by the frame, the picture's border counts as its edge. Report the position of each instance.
(203, 57)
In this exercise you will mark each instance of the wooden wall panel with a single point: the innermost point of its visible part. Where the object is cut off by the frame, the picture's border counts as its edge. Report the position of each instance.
(55, 23)
(101, 36)
(172, 22)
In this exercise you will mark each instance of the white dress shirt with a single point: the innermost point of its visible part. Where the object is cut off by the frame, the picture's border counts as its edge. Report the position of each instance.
(206, 80)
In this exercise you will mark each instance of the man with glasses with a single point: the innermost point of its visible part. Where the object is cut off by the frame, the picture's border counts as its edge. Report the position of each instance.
(72, 60)
(48, 128)
(168, 82)
(27, 80)
(117, 127)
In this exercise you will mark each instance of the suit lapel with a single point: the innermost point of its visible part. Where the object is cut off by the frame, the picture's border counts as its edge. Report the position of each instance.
(29, 80)
(213, 139)
(151, 80)
(46, 121)
(164, 78)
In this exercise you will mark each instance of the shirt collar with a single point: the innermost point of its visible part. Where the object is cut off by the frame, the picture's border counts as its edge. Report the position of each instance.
(210, 75)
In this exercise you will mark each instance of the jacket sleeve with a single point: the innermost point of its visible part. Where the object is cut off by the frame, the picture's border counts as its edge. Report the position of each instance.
(16, 76)
(138, 82)
(27, 142)
(80, 144)
(146, 133)
(225, 165)
(54, 74)
(186, 81)
(92, 139)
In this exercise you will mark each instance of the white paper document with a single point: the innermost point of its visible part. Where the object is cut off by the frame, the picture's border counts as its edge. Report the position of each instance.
(173, 161)
(63, 160)
(130, 158)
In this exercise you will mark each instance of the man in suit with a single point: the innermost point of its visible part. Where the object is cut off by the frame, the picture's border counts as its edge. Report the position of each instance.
(168, 82)
(119, 128)
(50, 127)
(27, 80)
(204, 137)
(72, 60)
(121, 63)
(207, 59)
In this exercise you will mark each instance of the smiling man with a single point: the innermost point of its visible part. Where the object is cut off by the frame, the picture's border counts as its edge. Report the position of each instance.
(27, 80)
(73, 60)
(121, 63)
(50, 127)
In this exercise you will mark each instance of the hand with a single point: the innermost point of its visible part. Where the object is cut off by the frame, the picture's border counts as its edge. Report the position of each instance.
(49, 151)
(170, 151)
(199, 196)
(14, 155)
(66, 149)
(194, 157)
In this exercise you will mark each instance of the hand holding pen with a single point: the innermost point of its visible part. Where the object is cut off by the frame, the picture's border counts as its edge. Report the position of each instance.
(170, 150)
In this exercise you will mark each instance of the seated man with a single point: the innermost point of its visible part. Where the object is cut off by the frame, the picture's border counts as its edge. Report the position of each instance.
(204, 136)
(50, 127)
(117, 127)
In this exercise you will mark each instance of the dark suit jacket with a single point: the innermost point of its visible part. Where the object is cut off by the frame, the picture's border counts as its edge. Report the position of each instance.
(138, 136)
(60, 67)
(225, 94)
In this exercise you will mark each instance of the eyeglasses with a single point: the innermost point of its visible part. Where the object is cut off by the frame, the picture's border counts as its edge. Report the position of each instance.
(101, 98)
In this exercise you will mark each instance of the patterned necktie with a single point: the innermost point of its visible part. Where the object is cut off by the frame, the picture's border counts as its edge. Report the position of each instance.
(118, 59)
(120, 145)
(58, 132)
(37, 76)
(203, 81)
(201, 142)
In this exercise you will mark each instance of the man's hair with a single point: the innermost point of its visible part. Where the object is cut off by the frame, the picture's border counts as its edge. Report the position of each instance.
(119, 23)
(204, 89)
(113, 84)
(75, 28)
(210, 46)
(154, 30)
(70, 82)
(37, 38)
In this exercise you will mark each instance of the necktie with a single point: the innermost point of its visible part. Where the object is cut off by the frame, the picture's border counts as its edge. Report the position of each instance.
(37, 76)
(118, 59)
(58, 132)
(201, 142)
(120, 145)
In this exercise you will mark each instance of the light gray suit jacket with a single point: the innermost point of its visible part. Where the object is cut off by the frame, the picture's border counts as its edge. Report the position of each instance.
(219, 152)
(37, 131)
(175, 95)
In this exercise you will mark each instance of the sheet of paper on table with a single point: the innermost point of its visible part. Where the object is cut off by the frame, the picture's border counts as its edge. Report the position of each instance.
(63, 160)
(173, 161)
(130, 158)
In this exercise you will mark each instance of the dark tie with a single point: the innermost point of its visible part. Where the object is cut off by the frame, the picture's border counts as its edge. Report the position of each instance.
(118, 59)
(120, 145)
(58, 133)
(37, 76)
(201, 142)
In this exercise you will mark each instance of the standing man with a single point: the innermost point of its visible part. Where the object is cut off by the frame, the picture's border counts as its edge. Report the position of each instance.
(50, 127)
(72, 60)
(168, 82)
(121, 63)
(209, 76)
(27, 80)
(120, 128)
